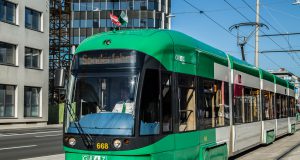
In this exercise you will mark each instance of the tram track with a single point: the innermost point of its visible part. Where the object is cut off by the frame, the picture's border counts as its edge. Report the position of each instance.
(285, 154)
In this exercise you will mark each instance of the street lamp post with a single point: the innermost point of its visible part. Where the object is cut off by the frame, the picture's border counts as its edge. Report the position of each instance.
(170, 16)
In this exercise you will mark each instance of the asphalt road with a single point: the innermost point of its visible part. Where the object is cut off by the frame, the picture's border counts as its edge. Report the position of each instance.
(28, 143)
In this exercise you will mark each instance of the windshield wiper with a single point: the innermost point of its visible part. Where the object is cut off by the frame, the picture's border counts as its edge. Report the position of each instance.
(87, 138)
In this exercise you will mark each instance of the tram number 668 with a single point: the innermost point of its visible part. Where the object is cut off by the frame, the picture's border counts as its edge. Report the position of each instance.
(102, 145)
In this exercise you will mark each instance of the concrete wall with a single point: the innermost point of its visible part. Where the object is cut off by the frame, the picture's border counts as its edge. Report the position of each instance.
(19, 75)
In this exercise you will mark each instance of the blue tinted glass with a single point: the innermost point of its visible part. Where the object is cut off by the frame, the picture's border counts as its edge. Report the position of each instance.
(95, 23)
(97, 6)
(76, 23)
(136, 22)
(103, 6)
(28, 18)
(82, 6)
(102, 22)
(82, 38)
(109, 5)
(143, 23)
(124, 5)
(116, 6)
(89, 23)
(76, 7)
(151, 6)
(129, 24)
(1, 10)
(36, 20)
(137, 5)
(89, 6)
(10, 12)
(150, 23)
(82, 23)
(75, 40)
(108, 23)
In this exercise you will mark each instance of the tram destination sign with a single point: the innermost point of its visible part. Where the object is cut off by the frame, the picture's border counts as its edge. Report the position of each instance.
(107, 58)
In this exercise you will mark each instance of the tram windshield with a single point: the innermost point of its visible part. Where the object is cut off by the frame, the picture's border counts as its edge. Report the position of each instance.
(102, 93)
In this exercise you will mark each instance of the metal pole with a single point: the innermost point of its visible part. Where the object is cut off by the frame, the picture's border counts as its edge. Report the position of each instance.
(256, 33)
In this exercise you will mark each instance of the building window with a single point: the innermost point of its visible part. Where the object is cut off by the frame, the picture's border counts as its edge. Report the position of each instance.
(31, 101)
(7, 11)
(32, 58)
(32, 19)
(7, 53)
(7, 100)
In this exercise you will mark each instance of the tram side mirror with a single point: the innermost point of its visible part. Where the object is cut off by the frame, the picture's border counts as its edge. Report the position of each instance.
(59, 78)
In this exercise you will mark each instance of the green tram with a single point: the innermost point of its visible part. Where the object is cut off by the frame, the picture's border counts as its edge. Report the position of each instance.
(160, 94)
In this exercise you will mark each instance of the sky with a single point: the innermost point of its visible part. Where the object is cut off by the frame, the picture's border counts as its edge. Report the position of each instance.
(281, 16)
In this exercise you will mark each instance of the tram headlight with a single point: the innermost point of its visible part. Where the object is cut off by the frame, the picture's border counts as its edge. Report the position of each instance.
(117, 143)
(72, 141)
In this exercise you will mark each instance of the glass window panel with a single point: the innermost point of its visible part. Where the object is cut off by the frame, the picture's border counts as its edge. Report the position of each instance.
(2, 11)
(124, 5)
(89, 24)
(76, 40)
(143, 23)
(151, 23)
(110, 6)
(7, 100)
(108, 23)
(143, 5)
(116, 5)
(76, 7)
(28, 18)
(150, 108)
(137, 5)
(31, 101)
(2, 97)
(82, 23)
(136, 23)
(76, 23)
(7, 53)
(95, 23)
(102, 22)
(103, 5)
(89, 6)
(32, 19)
(35, 60)
(82, 6)
(151, 6)
(96, 6)
(10, 12)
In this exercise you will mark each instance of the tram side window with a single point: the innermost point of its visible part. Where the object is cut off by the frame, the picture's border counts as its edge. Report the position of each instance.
(278, 106)
(268, 105)
(187, 103)
(292, 107)
(213, 110)
(246, 104)
(284, 108)
(149, 111)
(166, 97)
(251, 102)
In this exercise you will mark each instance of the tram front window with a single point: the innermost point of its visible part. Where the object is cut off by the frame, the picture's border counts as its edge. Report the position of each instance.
(102, 96)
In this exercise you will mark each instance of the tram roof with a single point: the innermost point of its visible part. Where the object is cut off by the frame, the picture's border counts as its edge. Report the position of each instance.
(157, 41)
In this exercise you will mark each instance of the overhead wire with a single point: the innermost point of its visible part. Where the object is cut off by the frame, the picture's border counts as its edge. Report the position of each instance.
(250, 21)
(293, 58)
(218, 24)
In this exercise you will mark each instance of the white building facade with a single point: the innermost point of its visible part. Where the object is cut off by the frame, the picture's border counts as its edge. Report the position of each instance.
(24, 52)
